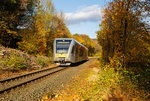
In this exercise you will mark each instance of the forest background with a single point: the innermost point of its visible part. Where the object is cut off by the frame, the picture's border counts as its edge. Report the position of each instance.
(124, 34)
(29, 26)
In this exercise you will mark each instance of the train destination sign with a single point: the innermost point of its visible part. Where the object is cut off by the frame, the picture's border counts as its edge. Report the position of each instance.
(63, 42)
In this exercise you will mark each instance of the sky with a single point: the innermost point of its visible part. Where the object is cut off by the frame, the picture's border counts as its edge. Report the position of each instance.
(81, 16)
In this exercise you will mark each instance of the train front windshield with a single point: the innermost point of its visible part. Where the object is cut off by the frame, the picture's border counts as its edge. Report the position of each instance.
(62, 46)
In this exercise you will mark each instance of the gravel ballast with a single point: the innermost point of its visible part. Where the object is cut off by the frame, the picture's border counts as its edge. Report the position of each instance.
(35, 90)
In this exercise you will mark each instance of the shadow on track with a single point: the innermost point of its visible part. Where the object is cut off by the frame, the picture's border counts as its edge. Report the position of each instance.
(78, 63)
(73, 64)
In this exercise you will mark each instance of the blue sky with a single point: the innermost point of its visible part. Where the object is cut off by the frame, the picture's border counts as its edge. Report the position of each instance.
(82, 16)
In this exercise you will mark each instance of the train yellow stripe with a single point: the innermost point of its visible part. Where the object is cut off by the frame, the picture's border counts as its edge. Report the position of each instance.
(61, 55)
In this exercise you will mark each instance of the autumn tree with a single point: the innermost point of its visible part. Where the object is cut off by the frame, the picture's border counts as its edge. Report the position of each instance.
(35, 37)
(123, 32)
(45, 26)
(12, 12)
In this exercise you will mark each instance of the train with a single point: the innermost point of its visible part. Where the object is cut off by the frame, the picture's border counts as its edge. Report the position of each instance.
(67, 51)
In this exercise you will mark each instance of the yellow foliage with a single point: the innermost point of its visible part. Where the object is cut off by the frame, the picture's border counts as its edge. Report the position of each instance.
(46, 27)
(123, 33)
(89, 43)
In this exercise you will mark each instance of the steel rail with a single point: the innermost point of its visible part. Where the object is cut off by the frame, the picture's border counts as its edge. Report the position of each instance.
(31, 73)
(28, 81)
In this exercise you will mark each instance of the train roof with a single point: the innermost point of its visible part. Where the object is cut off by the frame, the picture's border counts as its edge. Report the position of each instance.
(71, 39)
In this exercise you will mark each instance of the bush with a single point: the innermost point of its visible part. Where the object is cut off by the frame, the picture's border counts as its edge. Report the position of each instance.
(44, 61)
(14, 62)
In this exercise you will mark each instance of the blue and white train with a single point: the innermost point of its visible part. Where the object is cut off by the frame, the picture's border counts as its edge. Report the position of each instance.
(68, 50)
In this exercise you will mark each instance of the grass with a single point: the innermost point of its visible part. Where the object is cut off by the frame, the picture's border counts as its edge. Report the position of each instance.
(111, 85)
(14, 62)
(44, 61)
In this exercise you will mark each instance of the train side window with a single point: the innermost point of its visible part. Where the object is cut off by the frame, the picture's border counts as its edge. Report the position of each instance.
(81, 51)
(72, 50)
(78, 50)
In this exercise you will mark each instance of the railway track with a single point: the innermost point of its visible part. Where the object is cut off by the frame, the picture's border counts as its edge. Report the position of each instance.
(14, 82)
